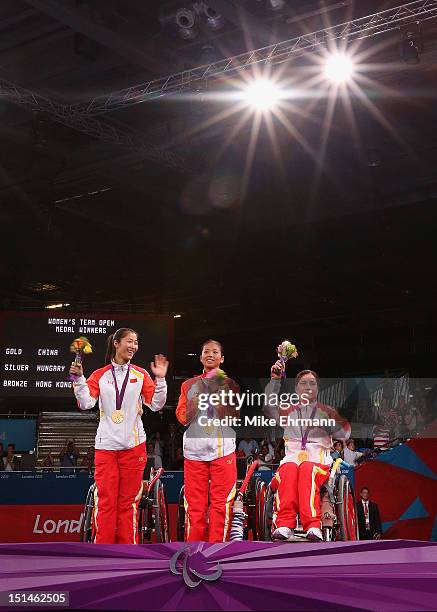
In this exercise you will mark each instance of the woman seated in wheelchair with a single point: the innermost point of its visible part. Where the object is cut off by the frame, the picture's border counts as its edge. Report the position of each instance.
(305, 466)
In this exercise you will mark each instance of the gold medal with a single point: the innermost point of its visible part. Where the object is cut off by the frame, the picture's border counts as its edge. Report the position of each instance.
(117, 416)
(302, 456)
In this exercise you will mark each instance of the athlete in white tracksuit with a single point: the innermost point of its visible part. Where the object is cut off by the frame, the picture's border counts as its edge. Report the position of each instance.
(120, 455)
(305, 467)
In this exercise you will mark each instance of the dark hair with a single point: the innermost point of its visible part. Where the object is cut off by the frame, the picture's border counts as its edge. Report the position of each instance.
(117, 335)
(364, 489)
(215, 342)
(304, 373)
(11, 444)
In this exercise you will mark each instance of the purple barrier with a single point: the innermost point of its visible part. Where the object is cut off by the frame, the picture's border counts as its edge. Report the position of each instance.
(389, 575)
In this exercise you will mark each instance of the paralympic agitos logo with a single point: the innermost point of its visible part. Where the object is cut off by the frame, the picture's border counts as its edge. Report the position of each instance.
(193, 564)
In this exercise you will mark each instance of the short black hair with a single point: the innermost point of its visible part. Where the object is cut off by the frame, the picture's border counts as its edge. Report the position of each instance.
(215, 342)
(302, 373)
(364, 489)
(11, 444)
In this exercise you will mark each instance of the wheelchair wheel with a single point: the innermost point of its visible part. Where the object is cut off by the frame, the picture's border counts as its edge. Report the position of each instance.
(267, 518)
(88, 531)
(251, 508)
(160, 513)
(346, 515)
(181, 516)
(260, 497)
(145, 519)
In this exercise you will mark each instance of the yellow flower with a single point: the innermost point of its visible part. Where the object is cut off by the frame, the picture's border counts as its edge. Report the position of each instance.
(81, 345)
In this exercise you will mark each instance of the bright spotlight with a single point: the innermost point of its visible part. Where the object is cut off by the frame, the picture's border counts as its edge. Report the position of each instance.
(339, 68)
(262, 94)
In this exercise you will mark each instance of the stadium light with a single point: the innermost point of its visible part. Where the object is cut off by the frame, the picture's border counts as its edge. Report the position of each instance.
(339, 68)
(52, 306)
(262, 94)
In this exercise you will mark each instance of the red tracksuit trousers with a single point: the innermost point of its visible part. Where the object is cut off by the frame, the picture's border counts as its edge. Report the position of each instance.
(212, 481)
(119, 479)
(298, 492)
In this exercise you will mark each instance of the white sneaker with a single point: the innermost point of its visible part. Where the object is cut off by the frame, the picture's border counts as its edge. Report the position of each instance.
(315, 534)
(281, 534)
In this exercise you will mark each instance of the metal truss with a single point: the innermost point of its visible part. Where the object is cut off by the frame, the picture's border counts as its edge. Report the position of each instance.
(80, 117)
(365, 27)
(88, 125)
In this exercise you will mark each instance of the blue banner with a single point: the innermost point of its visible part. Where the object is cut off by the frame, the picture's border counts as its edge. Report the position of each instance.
(265, 475)
(349, 472)
(56, 488)
(21, 432)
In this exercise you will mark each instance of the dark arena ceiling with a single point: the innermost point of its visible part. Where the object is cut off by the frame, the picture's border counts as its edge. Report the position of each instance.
(317, 222)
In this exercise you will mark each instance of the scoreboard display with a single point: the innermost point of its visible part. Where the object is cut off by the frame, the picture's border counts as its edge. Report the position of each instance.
(35, 352)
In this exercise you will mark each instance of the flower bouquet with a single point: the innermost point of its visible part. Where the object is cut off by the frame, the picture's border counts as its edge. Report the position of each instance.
(286, 350)
(80, 346)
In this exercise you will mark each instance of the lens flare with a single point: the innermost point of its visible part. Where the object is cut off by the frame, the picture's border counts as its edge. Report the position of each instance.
(262, 95)
(339, 68)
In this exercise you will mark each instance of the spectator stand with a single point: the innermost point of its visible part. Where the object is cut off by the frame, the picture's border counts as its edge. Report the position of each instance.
(19, 429)
(56, 427)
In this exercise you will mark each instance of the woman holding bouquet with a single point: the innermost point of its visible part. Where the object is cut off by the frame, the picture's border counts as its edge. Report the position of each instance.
(209, 451)
(305, 466)
(120, 457)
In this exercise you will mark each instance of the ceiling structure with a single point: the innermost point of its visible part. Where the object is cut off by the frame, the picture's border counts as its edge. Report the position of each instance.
(169, 205)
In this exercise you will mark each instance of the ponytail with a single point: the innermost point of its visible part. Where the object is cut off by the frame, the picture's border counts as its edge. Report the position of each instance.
(110, 349)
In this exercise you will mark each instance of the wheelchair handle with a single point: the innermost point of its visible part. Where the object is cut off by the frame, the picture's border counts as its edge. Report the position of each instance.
(245, 482)
(155, 477)
(334, 470)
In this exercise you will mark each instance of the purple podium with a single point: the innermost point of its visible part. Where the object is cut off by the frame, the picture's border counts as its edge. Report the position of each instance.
(389, 575)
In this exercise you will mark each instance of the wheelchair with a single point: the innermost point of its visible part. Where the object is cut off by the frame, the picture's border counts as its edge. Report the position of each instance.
(339, 522)
(153, 515)
(251, 502)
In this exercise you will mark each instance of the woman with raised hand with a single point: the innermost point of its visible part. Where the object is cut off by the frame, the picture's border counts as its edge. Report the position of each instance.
(121, 388)
(308, 441)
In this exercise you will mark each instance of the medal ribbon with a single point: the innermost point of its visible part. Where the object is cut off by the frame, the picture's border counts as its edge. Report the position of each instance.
(304, 436)
(119, 395)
